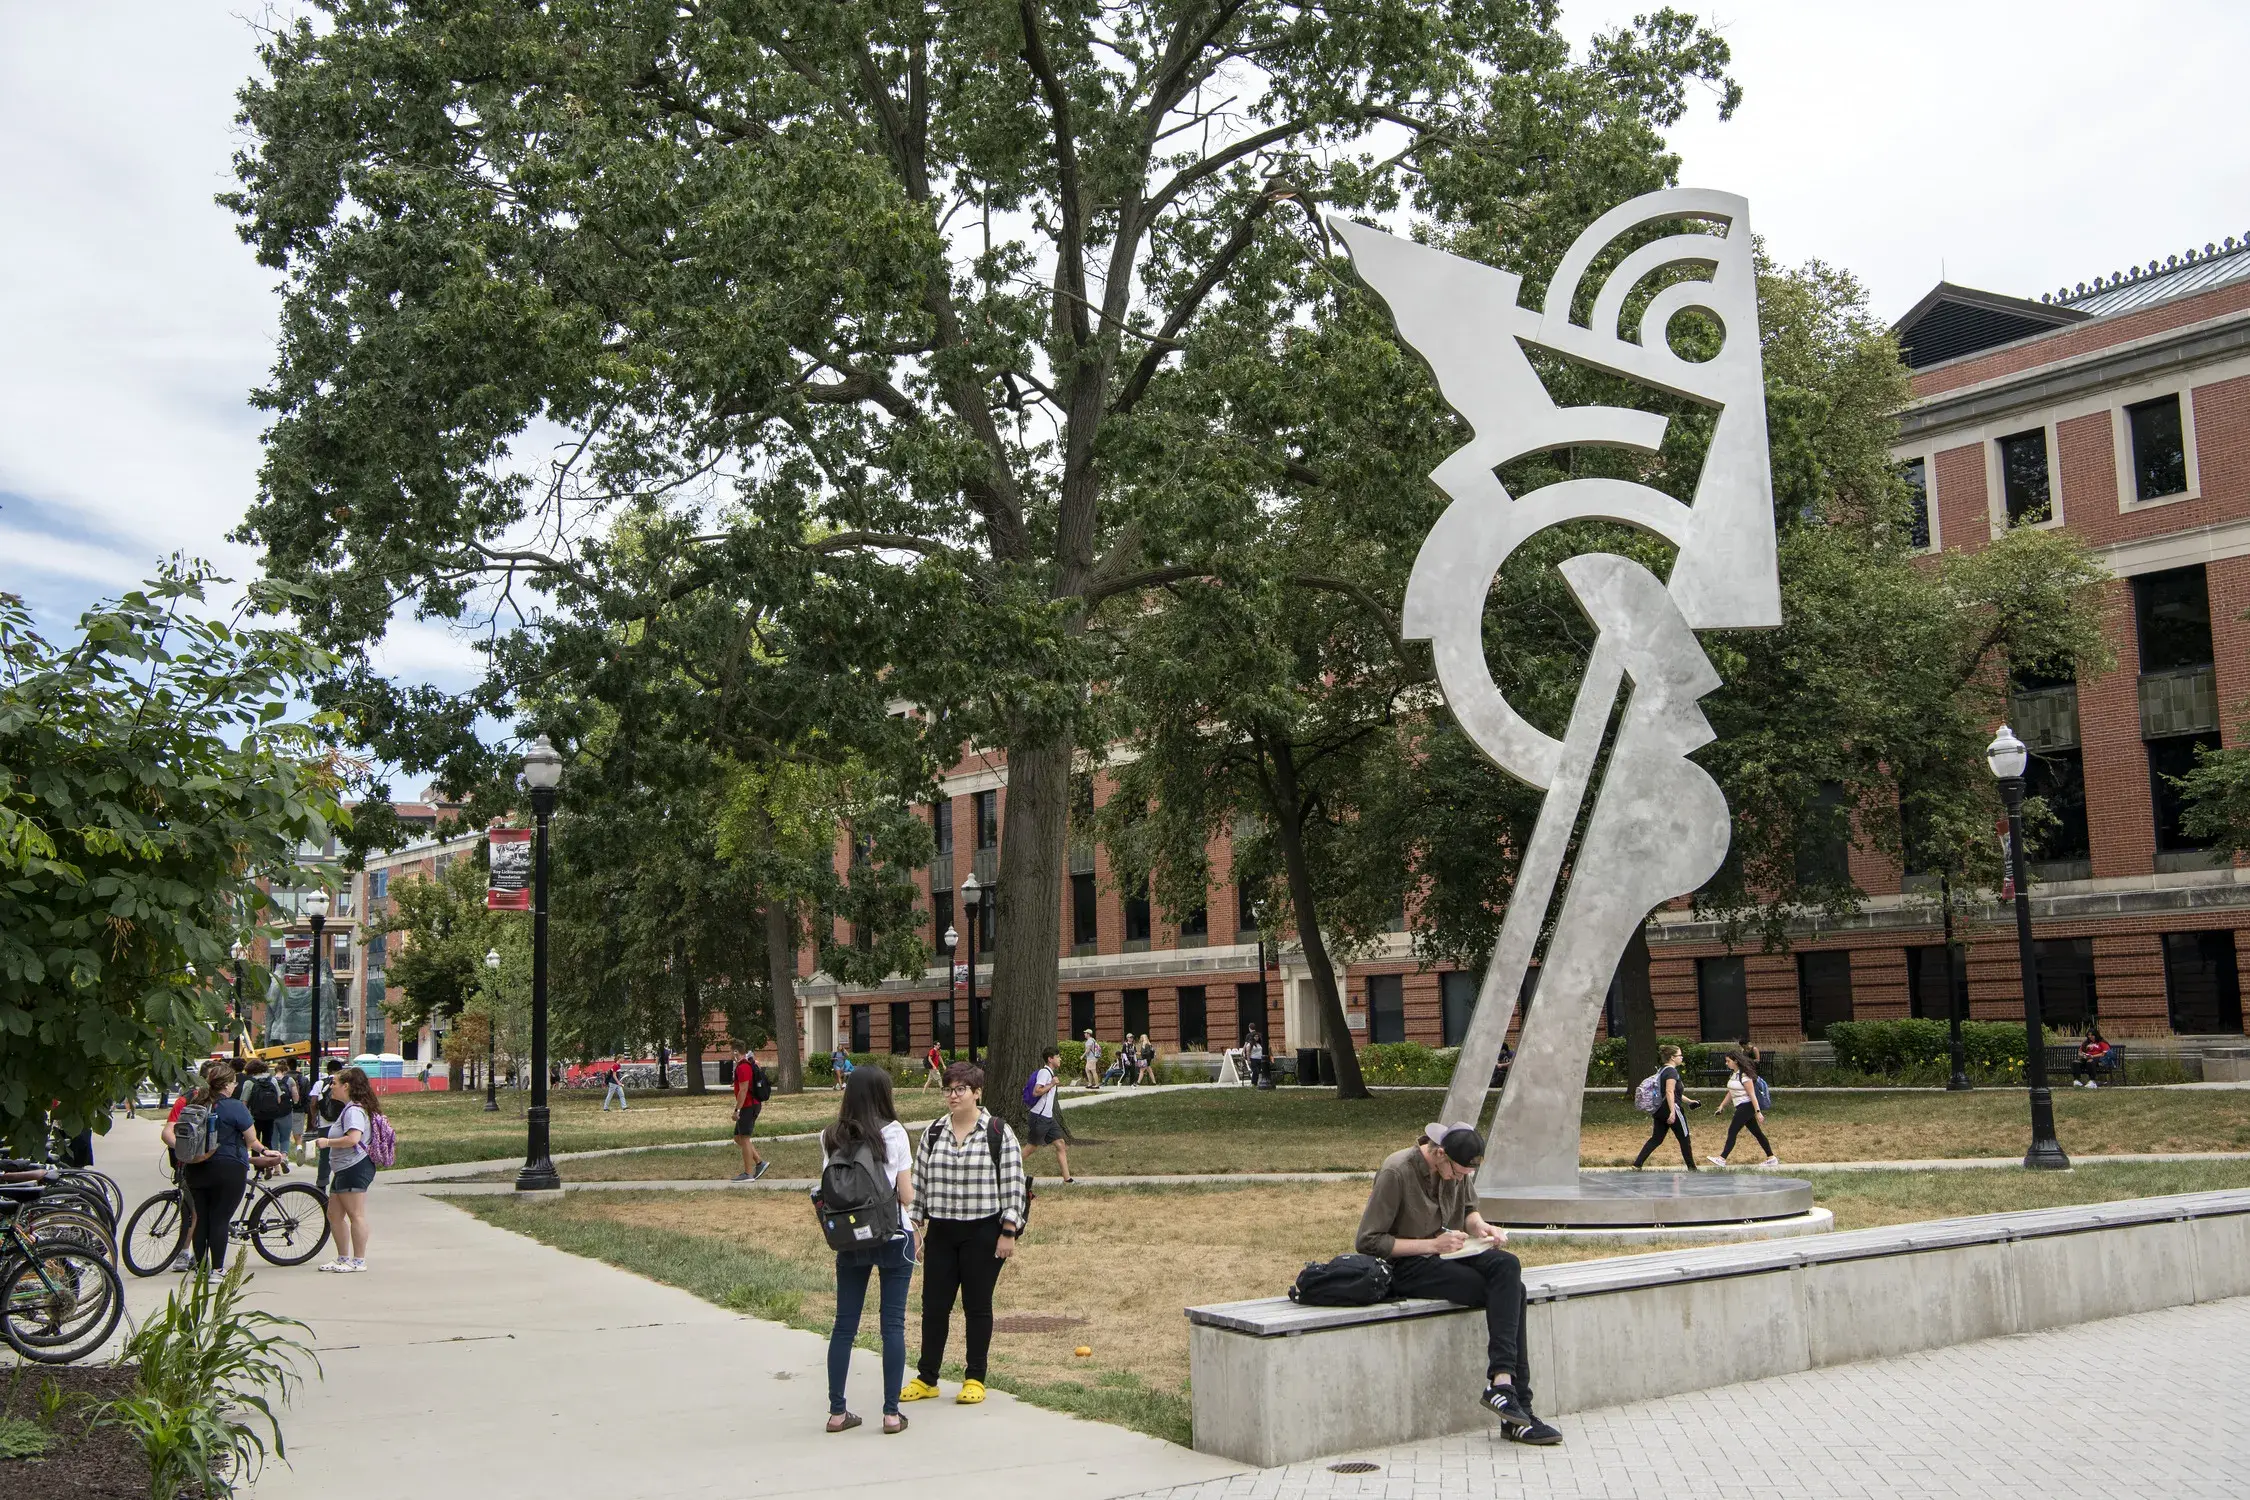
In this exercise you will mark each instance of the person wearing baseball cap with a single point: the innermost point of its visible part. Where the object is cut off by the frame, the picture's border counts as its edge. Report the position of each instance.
(1423, 1209)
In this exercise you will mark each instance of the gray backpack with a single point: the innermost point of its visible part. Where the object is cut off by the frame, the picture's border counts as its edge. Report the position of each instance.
(195, 1135)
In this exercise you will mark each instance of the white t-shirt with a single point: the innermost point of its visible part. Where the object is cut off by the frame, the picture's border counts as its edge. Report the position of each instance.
(898, 1154)
(1044, 1105)
(339, 1157)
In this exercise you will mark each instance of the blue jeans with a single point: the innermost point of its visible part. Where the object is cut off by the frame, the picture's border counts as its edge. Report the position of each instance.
(852, 1267)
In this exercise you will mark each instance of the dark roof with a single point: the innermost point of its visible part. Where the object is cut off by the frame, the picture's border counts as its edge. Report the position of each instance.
(2144, 286)
(1956, 320)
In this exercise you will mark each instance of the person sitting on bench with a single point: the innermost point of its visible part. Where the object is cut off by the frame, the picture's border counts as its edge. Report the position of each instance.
(1423, 1208)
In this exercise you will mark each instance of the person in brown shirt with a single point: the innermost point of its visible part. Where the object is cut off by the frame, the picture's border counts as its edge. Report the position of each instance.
(1424, 1208)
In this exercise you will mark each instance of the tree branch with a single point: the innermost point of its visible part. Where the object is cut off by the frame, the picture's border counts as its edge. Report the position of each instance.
(1167, 337)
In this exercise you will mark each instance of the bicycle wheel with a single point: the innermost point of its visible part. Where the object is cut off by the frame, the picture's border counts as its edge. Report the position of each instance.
(60, 1304)
(66, 1218)
(100, 1183)
(289, 1223)
(155, 1234)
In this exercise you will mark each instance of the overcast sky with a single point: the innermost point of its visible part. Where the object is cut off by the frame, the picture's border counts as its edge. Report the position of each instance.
(2017, 147)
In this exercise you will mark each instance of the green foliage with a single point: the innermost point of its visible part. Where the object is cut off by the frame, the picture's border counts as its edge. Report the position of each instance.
(1407, 1063)
(1608, 1064)
(1893, 1047)
(207, 1375)
(149, 778)
(20, 1437)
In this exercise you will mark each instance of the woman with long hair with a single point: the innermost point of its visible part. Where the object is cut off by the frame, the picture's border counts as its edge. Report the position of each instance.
(214, 1186)
(351, 1169)
(867, 1127)
(1743, 1112)
(1670, 1116)
(972, 1203)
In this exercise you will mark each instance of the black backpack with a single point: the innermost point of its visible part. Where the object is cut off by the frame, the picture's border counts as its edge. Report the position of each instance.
(761, 1087)
(856, 1204)
(992, 1129)
(265, 1103)
(1346, 1281)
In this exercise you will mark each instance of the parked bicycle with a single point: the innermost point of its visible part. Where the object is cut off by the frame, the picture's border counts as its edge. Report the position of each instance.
(286, 1224)
(60, 1298)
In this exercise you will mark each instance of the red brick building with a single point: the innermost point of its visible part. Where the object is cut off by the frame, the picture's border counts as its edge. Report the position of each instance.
(2121, 411)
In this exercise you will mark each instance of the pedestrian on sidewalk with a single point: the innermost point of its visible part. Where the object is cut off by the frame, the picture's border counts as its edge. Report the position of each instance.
(1254, 1048)
(751, 1091)
(1743, 1110)
(1671, 1111)
(933, 1061)
(1147, 1061)
(1044, 1090)
(616, 1088)
(1092, 1069)
(168, 1132)
(289, 1128)
(970, 1203)
(215, 1184)
(840, 1063)
(352, 1170)
(261, 1095)
(867, 1129)
(325, 1110)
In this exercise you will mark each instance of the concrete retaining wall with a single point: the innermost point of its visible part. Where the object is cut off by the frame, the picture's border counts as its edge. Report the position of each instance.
(1274, 1383)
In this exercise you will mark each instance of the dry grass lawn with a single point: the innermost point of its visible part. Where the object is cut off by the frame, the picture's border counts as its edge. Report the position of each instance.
(438, 1128)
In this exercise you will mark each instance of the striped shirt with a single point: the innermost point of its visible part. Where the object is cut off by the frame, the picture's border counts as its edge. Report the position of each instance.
(956, 1179)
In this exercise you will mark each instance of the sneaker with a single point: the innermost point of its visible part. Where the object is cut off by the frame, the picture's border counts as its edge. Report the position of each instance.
(1773, 1161)
(763, 1168)
(187, 1263)
(919, 1389)
(1517, 1421)
(1716, 1161)
(744, 1177)
(1538, 1434)
(338, 1264)
(972, 1392)
(356, 1264)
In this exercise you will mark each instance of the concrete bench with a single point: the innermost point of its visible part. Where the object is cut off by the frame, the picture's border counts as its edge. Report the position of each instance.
(1273, 1383)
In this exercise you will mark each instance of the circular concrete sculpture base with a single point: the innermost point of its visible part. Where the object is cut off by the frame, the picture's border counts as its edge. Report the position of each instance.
(1817, 1221)
(1650, 1200)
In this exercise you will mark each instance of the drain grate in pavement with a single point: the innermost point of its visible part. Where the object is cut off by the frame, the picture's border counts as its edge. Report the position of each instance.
(1033, 1323)
(1355, 1466)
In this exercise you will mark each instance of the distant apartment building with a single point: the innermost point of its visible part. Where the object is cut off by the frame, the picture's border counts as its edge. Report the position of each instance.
(2119, 410)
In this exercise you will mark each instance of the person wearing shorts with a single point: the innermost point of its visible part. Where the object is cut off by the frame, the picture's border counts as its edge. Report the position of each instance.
(746, 1107)
(1046, 1129)
(352, 1169)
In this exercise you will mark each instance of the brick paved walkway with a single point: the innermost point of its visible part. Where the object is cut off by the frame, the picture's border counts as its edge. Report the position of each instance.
(2004, 1418)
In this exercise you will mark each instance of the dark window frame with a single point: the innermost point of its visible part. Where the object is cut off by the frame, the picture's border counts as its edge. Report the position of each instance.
(985, 806)
(902, 1028)
(1140, 916)
(941, 826)
(1713, 1010)
(1193, 1017)
(1916, 473)
(1824, 990)
(1135, 1006)
(2017, 483)
(1386, 1007)
(1085, 910)
(2145, 423)
(1457, 1002)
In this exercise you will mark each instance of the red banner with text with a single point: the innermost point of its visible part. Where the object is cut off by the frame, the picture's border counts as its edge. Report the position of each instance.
(509, 887)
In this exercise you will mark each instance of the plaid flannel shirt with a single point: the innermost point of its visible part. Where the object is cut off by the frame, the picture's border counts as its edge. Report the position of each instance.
(955, 1179)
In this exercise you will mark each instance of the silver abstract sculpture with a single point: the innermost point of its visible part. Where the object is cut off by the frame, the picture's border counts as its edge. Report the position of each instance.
(1659, 826)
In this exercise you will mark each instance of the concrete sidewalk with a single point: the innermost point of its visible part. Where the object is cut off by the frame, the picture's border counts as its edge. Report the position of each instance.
(498, 1366)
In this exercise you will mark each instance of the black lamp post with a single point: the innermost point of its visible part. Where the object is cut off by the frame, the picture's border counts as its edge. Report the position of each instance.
(2006, 755)
(238, 953)
(316, 907)
(1954, 999)
(972, 900)
(542, 773)
(1265, 1008)
(492, 967)
(952, 946)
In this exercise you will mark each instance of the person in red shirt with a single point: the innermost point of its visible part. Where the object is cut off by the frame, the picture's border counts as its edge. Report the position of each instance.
(2093, 1058)
(750, 1091)
(935, 1060)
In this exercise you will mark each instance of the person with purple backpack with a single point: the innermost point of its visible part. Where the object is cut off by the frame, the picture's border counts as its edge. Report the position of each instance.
(358, 1141)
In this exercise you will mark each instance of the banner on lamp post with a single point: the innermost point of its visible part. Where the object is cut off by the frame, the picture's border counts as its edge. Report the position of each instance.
(296, 963)
(509, 886)
(2007, 860)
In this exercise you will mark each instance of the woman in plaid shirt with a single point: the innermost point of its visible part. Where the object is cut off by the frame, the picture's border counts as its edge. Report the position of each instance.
(970, 1202)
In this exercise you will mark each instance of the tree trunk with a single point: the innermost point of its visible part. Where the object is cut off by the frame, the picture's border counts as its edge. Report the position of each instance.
(1639, 1003)
(691, 1024)
(1027, 952)
(1335, 1031)
(781, 979)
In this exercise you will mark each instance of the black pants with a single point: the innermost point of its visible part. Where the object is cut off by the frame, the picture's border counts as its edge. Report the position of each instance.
(214, 1188)
(960, 1257)
(1745, 1118)
(1676, 1123)
(1492, 1281)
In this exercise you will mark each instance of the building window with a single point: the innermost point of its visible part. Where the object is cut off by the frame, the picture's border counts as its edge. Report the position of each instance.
(1916, 473)
(1084, 930)
(379, 885)
(988, 819)
(1824, 991)
(1195, 927)
(2172, 615)
(1927, 998)
(2066, 982)
(1722, 997)
(339, 952)
(378, 953)
(1824, 847)
(2159, 448)
(1386, 1008)
(941, 918)
(2169, 759)
(1457, 1001)
(860, 1029)
(1195, 1031)
(2058, 779)
(1136, 1012)
(1137, 918)
(1250, 1010)
(941, 825)
(2023, 478)
(1081, 1014)
(988, 922)
(902, 1027)
(1245, 910)
(2202, 983)
(941, 1022)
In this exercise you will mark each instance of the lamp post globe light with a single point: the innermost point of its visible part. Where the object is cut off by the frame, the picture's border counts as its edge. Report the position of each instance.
(972, 899)
(542, 773)
(492, 967)
(952, 946)
(316, 908)
(2007, 757)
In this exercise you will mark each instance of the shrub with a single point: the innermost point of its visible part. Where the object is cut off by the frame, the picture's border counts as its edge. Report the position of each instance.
(1894, 1048)
(1407, 1063)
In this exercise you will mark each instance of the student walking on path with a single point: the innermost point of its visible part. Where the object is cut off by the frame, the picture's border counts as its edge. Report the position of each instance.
(933, 1062)
(867, 1132)
(1092, 1070)
(351, 1167)
(970, 1202)
(1743, 1110)
(1042, 1092)
(295, 1095)
(214, 1184)
(1147, 1061)
(616, 1089)
(751, 1090)
(1671, 1111)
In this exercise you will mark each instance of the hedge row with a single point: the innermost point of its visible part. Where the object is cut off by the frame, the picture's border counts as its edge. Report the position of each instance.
(1889, 1047)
